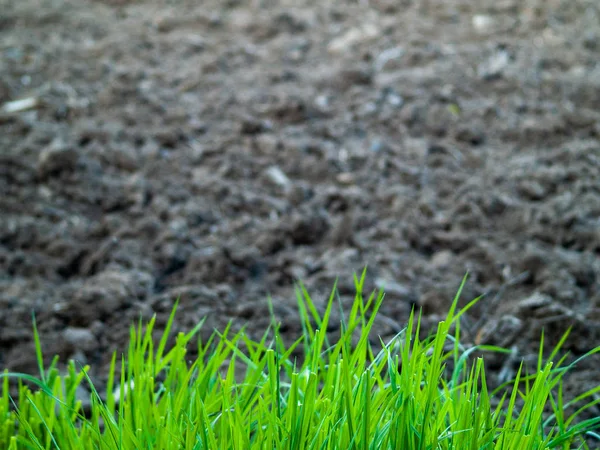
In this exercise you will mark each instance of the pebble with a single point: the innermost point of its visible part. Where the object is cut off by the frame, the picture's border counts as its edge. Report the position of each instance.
(482, 23)
(392, 288)
(534, 301)
(80, 338)
(532, 190)
(277, 177)
(441, 259)
(117, 395)
(495, 66)
(267, 143)
(56, 158)
(346, 178)
(388, 59)
(345, 42)
(322, 102)
(196, 42)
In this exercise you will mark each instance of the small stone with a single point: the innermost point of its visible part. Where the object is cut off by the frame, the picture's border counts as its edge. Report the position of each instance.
(196, 42)
(277, 177)
(80, 338)
(57, 158)
(495, 66)
(322, 102)
(393, 288)
(394, 99)
(346, 178)
(441, 259)
(535, 301)
(532, 190)
(19, 105)
(482, 23)
(267, 143)
(388, 59)
(117, 394)
(345, 42)
(166, 23)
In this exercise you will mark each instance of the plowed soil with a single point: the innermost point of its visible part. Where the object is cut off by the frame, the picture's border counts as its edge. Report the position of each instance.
(217, 151)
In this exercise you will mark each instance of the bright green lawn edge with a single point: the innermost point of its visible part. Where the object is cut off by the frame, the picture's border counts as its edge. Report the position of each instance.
(341, 396)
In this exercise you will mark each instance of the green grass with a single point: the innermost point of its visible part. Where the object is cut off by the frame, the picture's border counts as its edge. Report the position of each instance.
(415, 394)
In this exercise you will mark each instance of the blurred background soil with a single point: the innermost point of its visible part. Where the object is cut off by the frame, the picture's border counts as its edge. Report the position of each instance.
(218, 151)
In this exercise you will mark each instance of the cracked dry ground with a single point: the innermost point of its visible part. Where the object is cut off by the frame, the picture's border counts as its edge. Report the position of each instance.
(217, 153)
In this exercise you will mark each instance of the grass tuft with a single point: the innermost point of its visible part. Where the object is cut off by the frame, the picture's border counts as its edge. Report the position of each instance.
(414, 394)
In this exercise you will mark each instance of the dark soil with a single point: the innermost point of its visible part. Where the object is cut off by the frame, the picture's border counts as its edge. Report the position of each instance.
(218, 153)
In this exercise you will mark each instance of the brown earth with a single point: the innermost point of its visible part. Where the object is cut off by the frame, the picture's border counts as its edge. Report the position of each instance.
(219, 152)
